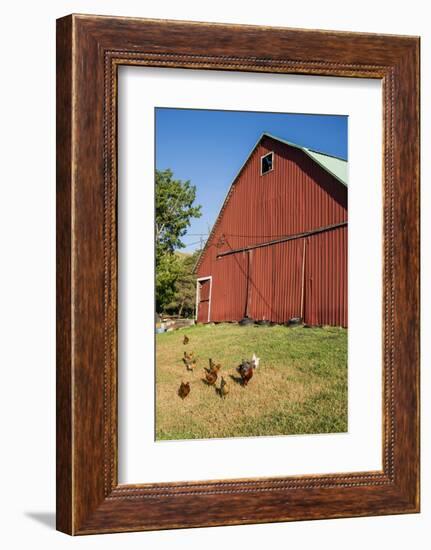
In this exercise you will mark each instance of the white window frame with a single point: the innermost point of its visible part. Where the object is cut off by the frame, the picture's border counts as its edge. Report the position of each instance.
(261, 163)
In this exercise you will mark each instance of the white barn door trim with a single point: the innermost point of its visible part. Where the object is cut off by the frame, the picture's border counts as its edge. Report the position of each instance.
(198, 295)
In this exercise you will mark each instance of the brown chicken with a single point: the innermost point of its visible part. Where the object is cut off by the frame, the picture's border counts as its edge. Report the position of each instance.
(211, 377)
(186, 340)
(224, 389)
(213, 367)
(247, 375)
(246, 372)
(184, 390)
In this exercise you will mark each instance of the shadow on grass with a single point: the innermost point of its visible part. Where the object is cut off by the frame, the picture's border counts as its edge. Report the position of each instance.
(220, 394)
(205, 381)
(237, 379)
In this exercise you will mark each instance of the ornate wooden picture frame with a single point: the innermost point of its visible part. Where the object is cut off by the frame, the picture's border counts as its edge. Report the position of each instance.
(89, 51)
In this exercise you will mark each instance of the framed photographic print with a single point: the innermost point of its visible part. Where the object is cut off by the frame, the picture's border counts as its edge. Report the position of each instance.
(237, 274)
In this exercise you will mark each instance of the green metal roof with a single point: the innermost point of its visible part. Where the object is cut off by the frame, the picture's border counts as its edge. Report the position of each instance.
(334, 165)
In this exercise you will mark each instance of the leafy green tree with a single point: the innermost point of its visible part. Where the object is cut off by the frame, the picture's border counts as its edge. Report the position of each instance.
(174, 210)
(183, 301)
(167, 271)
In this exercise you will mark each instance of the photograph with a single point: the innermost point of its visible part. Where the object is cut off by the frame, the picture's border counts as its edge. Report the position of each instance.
(251, 273)
(211, 303)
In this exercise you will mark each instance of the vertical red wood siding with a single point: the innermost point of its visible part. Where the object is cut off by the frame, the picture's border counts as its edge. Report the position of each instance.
(205, 290)
(203, 310)
(297, 196)
(228, 301)
(326, 278)
(204, 296)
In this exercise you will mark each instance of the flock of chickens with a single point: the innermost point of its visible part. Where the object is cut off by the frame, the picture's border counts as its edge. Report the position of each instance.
(245, 369)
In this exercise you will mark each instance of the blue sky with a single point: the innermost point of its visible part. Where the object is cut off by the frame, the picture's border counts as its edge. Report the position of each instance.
(209, 147)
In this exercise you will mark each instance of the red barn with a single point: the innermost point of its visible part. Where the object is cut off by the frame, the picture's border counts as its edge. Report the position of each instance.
(278, 249)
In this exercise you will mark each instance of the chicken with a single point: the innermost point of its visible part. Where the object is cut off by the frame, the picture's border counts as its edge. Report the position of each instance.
(224, 389)
(189, 360)
(211, 377)
(246, 375)
(246, 371)
(212, 366)
(184, 390)
(186, 340)
(191, 366)
(244, 365)
(255, 361)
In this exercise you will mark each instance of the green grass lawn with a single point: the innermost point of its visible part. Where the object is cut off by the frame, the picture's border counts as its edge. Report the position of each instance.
(300, 386)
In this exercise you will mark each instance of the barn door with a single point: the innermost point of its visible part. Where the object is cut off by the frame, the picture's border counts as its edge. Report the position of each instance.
(276, 282)
(204, 300)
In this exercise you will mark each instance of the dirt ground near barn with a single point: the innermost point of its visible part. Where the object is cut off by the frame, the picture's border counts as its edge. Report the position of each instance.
(300, 386)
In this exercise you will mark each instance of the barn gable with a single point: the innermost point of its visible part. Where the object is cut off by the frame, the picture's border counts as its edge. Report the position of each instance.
(336, 168)
(278, 248)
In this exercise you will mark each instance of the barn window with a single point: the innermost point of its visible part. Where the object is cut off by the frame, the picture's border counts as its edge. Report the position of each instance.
(266, 163)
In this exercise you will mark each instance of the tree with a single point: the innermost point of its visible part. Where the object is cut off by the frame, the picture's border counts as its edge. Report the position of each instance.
(168, 269)
(174, 210)
(183, 301)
